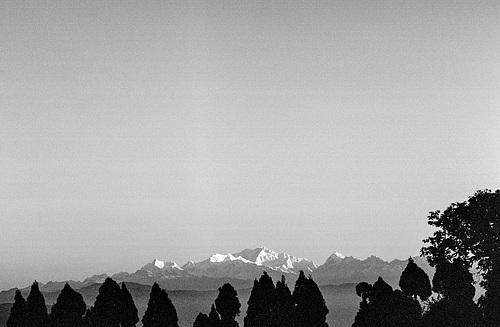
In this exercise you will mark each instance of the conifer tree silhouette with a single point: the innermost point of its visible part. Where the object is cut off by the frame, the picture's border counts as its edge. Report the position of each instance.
(260, 303)
(17, 317)
(283, 310)
(228, 305)
(213, 317)
(201, 320)
(310, 305)
(415, 282)
(68, 309)
(129, 316)
(161, 311)
(36, 311)
(107, 309)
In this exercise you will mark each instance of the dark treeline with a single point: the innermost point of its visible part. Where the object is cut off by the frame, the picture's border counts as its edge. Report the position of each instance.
(113, 307)
(268, 305)
(468, 235)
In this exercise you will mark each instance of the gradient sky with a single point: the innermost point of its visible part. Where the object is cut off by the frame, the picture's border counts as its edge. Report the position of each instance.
(133, 130)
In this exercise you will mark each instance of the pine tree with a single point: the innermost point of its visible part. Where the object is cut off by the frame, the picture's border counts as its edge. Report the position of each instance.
(228, 305)
(129, 315)
(213, 318)
(17, 317)
(283, 310)
(160, 312)
(310, 305)
(415, 282)
(201, 321)
(107, 309)
(260, 303)
(36, 311)
(68, 309)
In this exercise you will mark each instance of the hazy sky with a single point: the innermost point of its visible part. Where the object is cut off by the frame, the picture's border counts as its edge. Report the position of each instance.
(133, 130)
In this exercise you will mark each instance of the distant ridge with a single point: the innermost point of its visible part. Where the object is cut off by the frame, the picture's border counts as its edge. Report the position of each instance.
(243, 267)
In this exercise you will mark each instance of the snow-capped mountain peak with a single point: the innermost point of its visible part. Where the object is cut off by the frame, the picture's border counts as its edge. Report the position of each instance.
(339, 255)
(157, 266)
(158, 263)
(258, 255)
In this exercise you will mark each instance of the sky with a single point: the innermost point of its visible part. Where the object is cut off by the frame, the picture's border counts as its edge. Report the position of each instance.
(134, 130)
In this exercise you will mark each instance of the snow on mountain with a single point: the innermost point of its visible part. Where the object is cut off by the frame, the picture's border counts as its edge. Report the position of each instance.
(247, 264)
(250, 264)
(158, 268)
(277, 261)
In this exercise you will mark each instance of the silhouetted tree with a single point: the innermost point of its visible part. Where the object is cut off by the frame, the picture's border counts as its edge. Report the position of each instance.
(363, 289)
(17, 317)
(36, 311)
(107, 309)
(201, 321)
(310, 307)
(261, 301)
(456, 306)
(415, 282)
(129, 316)
(228, 305)
(470, 231)
(283, 311)
(68, 309)
(161, 311)
(213, 317)
(383, 307)
(490, 301)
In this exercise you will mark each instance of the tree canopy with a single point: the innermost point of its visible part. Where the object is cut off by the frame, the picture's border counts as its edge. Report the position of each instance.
(129, 316)
(17, 317)
(381, 306)
(469, 231)
(161, 311)
(415, 282)
(36, 310)
(68, 309)
(228, 305)
(260, 303)
(310, 306)
(107, 309)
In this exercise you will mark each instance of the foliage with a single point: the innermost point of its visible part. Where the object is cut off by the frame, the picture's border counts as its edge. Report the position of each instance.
(260, 303)
(107, 309)
(383, 307)
(161, 311)
(36, 310)
(201, 320)
(282, 314)
(68, 309)
(310, 307)
(228, 305)
(453, 280)
(470, 232)
(453, 312)
(17, 317)
(213, 317)
(415, 282)
(129, 315)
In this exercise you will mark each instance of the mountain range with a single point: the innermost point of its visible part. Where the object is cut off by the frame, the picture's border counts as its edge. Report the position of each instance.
(240, 269)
